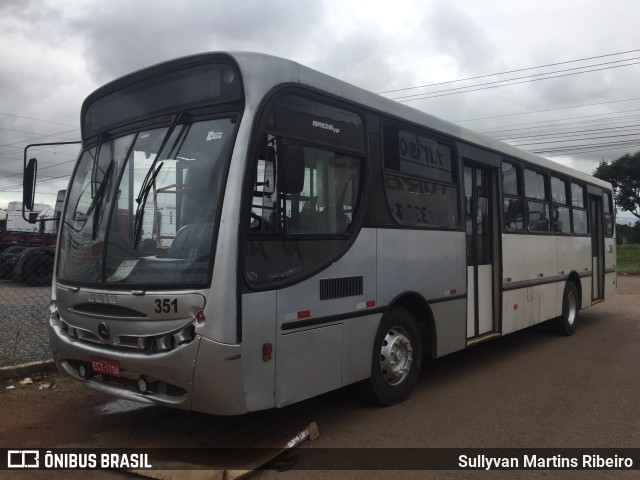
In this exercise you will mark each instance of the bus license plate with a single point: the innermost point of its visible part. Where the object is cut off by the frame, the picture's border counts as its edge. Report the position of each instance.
(105, 366)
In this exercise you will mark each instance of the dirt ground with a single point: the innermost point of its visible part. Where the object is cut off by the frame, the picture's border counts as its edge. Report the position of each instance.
(531, 389)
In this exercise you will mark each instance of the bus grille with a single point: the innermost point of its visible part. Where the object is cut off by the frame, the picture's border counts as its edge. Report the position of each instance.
(149, 343)
(340, 287)
(107, 310)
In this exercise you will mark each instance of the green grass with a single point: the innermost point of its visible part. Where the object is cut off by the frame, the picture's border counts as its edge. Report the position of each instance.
(628, 260)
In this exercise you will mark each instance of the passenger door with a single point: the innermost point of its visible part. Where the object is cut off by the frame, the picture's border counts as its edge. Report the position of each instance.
(597, 247)
(482, 237)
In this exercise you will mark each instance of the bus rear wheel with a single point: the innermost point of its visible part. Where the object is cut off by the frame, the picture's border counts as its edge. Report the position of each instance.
(566, 324)
(397, 359)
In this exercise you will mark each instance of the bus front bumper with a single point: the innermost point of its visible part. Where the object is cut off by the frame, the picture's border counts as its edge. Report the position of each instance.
(213, 384)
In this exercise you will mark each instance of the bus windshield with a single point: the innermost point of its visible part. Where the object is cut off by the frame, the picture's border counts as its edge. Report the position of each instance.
(141, 208)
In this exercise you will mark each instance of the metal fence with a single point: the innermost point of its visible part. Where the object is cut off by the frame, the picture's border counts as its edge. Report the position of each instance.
(24, 312)
(26, 266)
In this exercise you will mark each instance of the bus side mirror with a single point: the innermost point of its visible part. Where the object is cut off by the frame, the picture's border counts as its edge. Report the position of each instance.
(291, 169)
(29, 184)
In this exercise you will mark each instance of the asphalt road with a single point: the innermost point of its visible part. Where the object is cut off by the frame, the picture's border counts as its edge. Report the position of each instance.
(531, 389)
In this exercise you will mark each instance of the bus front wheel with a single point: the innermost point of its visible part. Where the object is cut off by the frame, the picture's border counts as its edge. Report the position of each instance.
(397, 358)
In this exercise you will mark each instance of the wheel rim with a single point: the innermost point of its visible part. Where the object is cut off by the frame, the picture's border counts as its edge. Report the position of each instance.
(572, 309)
(396, 356)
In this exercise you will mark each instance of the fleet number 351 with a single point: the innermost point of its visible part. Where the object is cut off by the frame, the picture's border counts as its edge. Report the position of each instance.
(166, 305)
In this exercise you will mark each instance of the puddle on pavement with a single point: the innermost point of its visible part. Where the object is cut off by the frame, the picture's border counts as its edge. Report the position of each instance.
(120, 406)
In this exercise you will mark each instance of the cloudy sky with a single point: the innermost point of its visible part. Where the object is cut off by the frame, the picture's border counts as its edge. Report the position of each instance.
(54, 53)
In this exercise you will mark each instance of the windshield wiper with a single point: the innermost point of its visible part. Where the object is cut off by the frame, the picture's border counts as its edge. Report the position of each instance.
(95, 164)
(146, 182)
(97, 200)
(142, 200)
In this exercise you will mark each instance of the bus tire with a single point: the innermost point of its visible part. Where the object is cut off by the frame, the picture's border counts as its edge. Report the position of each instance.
(397, 359)
(566, 324)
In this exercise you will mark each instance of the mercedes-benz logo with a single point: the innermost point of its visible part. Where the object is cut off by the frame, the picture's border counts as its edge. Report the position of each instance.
(103, 331)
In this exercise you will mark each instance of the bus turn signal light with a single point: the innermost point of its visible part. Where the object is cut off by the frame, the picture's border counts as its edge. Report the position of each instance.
(200, 317)
(267, 350)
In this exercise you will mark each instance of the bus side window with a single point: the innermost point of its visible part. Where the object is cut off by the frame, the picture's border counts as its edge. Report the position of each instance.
(578, 210)
(560, 198)
(535, 191)
(326, 203)
(514, 206)
(514, 214)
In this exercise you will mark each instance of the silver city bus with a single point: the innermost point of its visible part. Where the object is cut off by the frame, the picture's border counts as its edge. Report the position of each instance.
(241, 233)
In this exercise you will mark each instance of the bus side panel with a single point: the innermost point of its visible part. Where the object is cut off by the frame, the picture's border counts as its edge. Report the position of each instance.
(258, 329)
(310, 363)
(609, 284)
(449, 319)
(358, 335)
(586, 291)
(574, 255)
(549, 306)
(609, 266)
(528, 258)
(316, 358)
(520, 308)
(217, 379)
(433, 264)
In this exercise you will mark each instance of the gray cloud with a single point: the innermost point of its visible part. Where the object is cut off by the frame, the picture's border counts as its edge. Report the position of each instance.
(457, 35)
(53, 54)
(122, 36)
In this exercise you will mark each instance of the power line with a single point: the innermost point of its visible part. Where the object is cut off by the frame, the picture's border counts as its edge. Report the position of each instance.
(521, 78)
(588, 147)
(36, 138)
(546, 122)
(13, 174)
(548, 142)
(473, 88)
(546, 110)
(4, 155)
(39, 120)
(507, 72)
(31, 133)
(562, 133)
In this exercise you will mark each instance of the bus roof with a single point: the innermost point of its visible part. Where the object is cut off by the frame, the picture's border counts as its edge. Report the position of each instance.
(261, 73)
(253, 66)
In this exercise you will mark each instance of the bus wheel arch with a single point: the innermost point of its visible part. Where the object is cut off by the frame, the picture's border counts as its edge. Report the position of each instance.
(575, 279)
(419, 308)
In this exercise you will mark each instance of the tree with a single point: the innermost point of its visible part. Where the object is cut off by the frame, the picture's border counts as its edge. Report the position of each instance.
(631, 233)
(624, 174)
